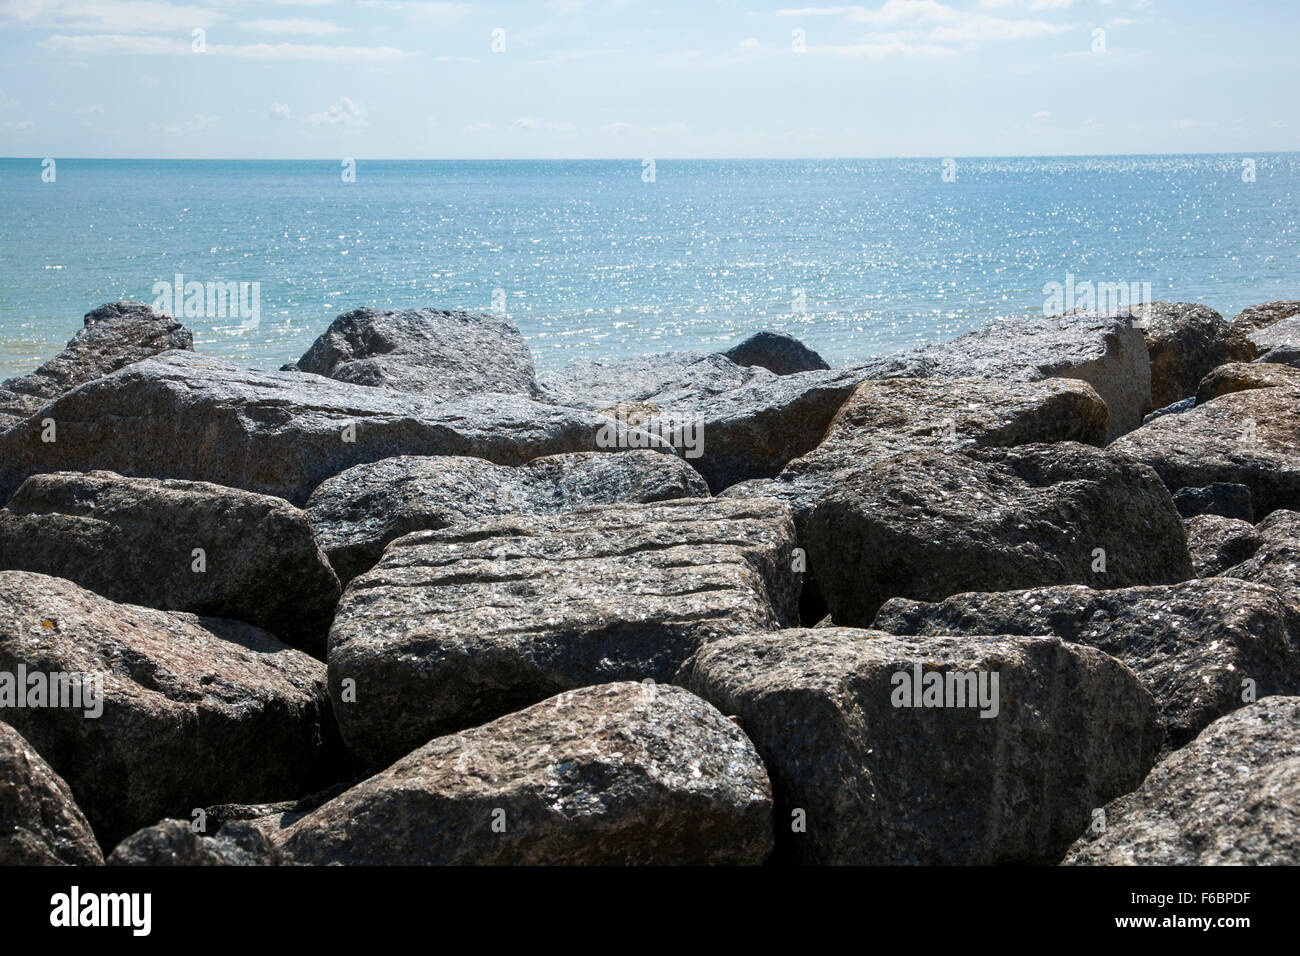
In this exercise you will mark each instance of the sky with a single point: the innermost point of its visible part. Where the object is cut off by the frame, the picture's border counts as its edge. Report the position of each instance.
(415, 79)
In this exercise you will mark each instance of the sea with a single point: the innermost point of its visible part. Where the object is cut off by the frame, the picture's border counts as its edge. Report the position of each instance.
(608, 259)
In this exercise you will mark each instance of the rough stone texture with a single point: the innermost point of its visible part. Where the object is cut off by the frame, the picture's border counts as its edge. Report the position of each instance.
(195, 710)
(113, 336)
(277, 433)
(599, 384)
(881, 784)
(1249, 438)
(1279, 341)
(270, 817)
(1191, 644)
(1177, 408)
(174, 843)
(1276, 559)
(459, 626)
(885, 417)
(1243, 376)
(926, 525)
(1227, 500)
(1185, 341)
(1217, 543)
(1282, 355)
(132, 540)
(777, 352)
(613, 774)
(356, 513)
(1231, 797)
(40, 822)
(1107, 352)
(443, 355)
(1259, 317)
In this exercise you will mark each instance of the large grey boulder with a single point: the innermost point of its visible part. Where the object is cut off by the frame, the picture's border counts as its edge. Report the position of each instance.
(777, 352)
(1249, 438)
(1256, 318)
(1275, 557)
(112, 336)
(926, 525)
(191, 711)
(662, 379)
(1216, 543)
(356, 513)
(456, 627)
(176, 546)
(181, 415)
(1185, 342)
(1229, 798)
(443, 355)
(1244, 376)
(1279, 342)
(1192, 645)
(614, 774)
(175, 843)
(40, 822)
(860, 777)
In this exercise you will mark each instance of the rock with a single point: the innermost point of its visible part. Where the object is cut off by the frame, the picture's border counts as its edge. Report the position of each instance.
(1228, 500)
(1282, 355)
(1259, 317)
(112, 336)
(663, 379)
(270, 817)
(607, 775)
(275, 433)
(1107, 352)
(193, 711)
(1230, 798)
(926, 525)
(456, 627)
(174, 843)
(1185, 341)
(876, 783)
(1282, 336)
(886, 417)
(777, 352)
(1249, 438)
(1217, 543)
(1191, 645)
(442, 355)
(40, 822)
(133, 540)
(1275, 561)
(356, 513)
(1177, 408)
(1243, 376)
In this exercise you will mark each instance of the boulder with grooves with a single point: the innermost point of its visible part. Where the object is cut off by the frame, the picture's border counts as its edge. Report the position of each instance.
(176, 546)
(40, 822)
(1192, 645)
(174, 843)
(1217, 543)
(621, 773)
(777, 352)
(181, 415)
(456, 627)
(443, 355)
(1229, 798)
(112, 336)
(1185, 341)
(356, 513)
(926, 525)
(192, 711)
(1249, 438)
(860, 777)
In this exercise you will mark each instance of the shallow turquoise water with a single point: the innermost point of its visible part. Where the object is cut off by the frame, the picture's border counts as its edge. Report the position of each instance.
(592, 261)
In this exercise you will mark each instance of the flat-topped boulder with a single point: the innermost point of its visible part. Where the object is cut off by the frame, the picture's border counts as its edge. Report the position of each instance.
(186, 416)
(1256, 318)
(356, 513)
(1192, 645)
(176, 546)
(1185, 342)
(1217, 543)
(662, 378)
(777, 352)
(458, 626)
(437, 353)
(888, 750)
(927, 525)
(159, 712)
(40, 822)
(615, 774)
(1249, 438)
(1243, 376)
(1229, 798)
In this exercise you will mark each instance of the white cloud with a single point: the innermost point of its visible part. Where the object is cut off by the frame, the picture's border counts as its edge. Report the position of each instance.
(6, 102)
(195, 124)
(112, 16)
(311, 27)
(19, 125)
(527, 122)
(280, 111)
(292, 52)
(343, 113)
(750, 43)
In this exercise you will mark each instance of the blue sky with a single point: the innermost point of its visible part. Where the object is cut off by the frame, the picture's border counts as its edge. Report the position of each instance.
(613, 78)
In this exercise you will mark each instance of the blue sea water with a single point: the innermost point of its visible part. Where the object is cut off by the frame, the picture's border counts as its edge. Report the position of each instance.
(855, 257)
